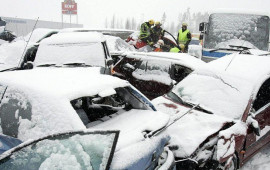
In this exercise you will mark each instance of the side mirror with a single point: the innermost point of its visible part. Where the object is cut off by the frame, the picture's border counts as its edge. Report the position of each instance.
(201, 37)
(201, 26)
(254, 124)
(109, 62)
(27, 66)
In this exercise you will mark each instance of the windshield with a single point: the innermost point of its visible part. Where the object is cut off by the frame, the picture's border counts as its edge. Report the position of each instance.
(90, 150)
(88, 53)
(237, 29)
(222, 95)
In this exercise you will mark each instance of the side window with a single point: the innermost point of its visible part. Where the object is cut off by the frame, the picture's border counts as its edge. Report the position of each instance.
(263, 96)
(179, 72)
(14, 108)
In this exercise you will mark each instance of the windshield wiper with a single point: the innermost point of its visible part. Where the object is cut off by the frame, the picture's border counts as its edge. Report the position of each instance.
(46, 65)
(234, 48)
(198, 107)
(10, 69)
(178, 99)
(158, 131)
(77, 64)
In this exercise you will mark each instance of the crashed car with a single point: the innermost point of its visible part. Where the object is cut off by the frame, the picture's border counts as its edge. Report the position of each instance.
(45, 101)
(70, 150)
(155, 74)
(220, 114)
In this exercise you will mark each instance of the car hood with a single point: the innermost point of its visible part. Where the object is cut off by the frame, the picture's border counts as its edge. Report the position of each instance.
(133, 124)
(191, 129)
(133, 150)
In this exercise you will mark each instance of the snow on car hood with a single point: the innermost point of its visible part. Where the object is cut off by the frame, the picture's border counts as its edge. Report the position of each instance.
(190, 130)
(44, 86)
(133, 124)
(132, 146)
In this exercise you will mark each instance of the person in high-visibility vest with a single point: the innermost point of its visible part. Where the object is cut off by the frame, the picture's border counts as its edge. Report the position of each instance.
(145, 32)
(184, 36)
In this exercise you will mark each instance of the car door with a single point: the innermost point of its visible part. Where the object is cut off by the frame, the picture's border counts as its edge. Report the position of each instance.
(261, 109)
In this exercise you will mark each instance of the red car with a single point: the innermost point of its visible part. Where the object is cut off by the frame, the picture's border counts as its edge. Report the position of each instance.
(220, 114)
(154, 74)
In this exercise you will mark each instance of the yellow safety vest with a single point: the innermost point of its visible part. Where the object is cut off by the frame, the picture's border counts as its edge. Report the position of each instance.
(182, 37)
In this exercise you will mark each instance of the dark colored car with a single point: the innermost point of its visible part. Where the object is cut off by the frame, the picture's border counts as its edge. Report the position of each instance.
(221, 113)
(154, 74)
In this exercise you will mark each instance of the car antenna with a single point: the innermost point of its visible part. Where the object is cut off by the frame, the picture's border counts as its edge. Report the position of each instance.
(154, 133)
(28, 42)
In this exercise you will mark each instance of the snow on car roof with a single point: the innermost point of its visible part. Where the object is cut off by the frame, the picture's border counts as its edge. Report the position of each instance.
(239, 11)
(179, 58)
(250, 67)
(65, 82)
(74, 37)
(50, 90)
(39, 33)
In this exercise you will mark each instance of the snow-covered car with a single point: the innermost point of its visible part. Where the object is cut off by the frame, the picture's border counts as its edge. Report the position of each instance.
(15, 54)
(44, 101)
(154, 74)
(70, 150)
(73, 49)
(221, 113)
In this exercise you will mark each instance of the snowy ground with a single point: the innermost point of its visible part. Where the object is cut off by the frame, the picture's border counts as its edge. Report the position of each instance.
(261, 161)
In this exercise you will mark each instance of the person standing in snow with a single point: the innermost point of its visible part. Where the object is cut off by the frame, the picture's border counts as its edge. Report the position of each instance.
(145, 32)
(184, 37)
(157, 32)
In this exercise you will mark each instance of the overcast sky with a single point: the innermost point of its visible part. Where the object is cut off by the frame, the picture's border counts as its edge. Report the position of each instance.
(92, 13)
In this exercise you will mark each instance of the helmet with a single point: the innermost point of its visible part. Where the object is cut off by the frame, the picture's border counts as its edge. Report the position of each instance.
(184, 24)
(157, 23)
(151, 22)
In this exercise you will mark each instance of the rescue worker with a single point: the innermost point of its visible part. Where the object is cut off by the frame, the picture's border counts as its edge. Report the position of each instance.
(184, 37)
(178, 49)
(145, 32)
(157, 32)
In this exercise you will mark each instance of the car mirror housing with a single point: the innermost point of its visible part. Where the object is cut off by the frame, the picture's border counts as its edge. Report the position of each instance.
(254, 125)
(109, 62)
(27, 66)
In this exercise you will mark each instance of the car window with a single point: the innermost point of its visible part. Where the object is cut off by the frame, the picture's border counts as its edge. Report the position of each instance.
(153, 70)
(93, 110)
(74, 150)
(179, 72)
(263, 96)
(14, 109)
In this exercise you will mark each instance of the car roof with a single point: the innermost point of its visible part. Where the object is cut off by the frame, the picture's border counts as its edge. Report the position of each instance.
(178, 58)
(253, 69)
(74, 37)
(96, 29)
(70, 83)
